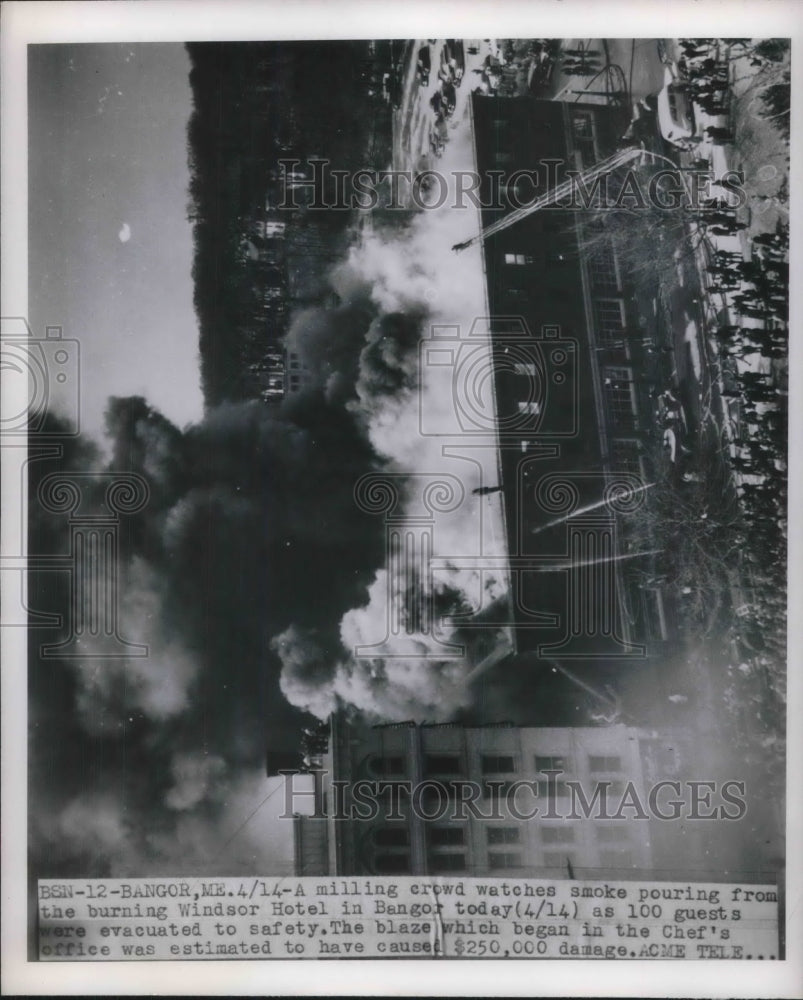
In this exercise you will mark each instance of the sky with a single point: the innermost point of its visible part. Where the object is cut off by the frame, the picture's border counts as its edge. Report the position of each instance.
(109, 242)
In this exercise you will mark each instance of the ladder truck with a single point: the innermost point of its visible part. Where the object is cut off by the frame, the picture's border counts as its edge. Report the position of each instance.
(552, 197)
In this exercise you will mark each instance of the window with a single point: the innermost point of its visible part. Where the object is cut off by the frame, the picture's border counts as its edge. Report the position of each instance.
(507, 860)
(549, 788)
(557, 834)
(620, 858)
(652, 608)
(519, 259)
(558, 859)
(391, 836)
(531, 407)
(525, 368)
(520, 192)
(613, 790)
(517, 297)
(602, 269)
(601, 763)
(388, 767)
(436, 793)
(435, 763)
(446, 836)
(493, 764)
(626, 455)
(552, 763)
(582, 125)
(612, 834)
(512, 326)
(609, 320)
(503, 835)
(620, 398)
(502, 157)
(583, 135)
(447, 863)
(392, 864)
(496, 789)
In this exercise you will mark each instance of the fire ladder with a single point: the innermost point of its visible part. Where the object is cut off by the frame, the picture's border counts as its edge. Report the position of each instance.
(618, 159)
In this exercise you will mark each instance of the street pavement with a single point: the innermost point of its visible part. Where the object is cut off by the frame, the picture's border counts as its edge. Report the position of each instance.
(414, 118)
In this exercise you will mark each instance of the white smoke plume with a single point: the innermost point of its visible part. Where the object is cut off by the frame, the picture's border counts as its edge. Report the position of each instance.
(157, 686)
(216, 832)
(410, 272)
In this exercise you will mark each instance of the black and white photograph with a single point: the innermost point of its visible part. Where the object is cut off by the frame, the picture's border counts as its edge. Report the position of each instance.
(396, 462)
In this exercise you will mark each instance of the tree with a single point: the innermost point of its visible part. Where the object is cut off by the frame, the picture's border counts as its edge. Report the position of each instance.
(777, 102)
(694, 522)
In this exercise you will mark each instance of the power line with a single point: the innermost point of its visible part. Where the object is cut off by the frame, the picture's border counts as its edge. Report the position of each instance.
(247, 820)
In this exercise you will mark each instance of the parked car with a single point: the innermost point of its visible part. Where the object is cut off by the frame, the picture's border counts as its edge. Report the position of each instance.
(424, 64)
(444, 69)
(675, 111)
(437, 136)
(669, 411)
(673, 426)
(449, 96)
(456, 58)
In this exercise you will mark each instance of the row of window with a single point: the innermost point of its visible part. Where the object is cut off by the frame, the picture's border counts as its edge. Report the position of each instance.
(455, 836)
(601, 261)
(583, 133)
(609, 316)
(445, 765)
(499, 790)
(618, 380)
(626, 456)
(400, 864)
(620, 395)
(617, 858)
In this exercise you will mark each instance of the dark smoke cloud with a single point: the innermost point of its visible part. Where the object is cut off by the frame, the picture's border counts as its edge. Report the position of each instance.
(357, 354)
(250, 526)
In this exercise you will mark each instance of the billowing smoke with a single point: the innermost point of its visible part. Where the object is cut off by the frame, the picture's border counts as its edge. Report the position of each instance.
(157, 686)
(409, 281)
(253, 575)
(145, 764)
(406, 677)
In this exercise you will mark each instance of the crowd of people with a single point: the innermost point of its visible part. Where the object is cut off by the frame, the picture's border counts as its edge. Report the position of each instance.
(708, 78)
(761, 433)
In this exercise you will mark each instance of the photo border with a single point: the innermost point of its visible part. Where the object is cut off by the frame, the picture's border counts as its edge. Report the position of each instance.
(25, 23)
